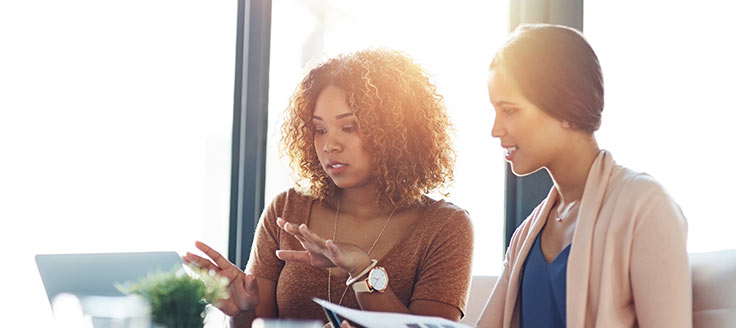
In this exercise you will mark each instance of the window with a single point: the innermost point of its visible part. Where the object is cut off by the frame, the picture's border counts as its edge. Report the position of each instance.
(669, 107)
(115, 132)
(453, 42)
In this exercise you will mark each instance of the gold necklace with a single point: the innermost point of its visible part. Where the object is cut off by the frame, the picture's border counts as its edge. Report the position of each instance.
(334, 232)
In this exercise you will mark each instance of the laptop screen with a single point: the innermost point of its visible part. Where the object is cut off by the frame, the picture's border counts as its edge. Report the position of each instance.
(96, 274)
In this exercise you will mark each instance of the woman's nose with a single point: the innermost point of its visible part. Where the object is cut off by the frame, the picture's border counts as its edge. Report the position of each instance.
(497, 131)
(332, 144)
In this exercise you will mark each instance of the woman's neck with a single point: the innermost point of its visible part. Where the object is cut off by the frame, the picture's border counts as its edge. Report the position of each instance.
(361, 201)
(570, 170)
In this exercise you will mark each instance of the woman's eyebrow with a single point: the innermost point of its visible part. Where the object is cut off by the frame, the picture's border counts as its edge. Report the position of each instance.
(504, 103)
(341, 116)
(344, 115)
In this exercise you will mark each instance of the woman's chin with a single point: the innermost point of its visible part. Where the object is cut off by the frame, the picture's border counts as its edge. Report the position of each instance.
(342, 183)
(345, 184)
(521, 170)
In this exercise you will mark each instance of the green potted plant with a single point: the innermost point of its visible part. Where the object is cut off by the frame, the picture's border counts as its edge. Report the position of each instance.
(178, 299)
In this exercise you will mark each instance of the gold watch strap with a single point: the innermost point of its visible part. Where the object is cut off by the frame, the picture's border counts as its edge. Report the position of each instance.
(365, 271)
(362, 286)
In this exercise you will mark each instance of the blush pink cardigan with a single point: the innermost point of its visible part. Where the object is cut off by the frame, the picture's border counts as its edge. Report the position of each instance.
(628, 265)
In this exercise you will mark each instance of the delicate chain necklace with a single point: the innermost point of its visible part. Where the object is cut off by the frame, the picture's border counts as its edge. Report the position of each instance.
(334, 232)
(563, 212)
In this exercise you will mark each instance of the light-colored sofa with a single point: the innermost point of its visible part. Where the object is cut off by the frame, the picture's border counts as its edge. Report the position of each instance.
(714, 289)
(480, 289)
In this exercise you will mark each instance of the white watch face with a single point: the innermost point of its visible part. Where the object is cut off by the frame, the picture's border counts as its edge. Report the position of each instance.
(378, 278)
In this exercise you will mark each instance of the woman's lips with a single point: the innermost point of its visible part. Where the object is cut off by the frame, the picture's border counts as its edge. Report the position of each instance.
(335, 168)
(509, 152)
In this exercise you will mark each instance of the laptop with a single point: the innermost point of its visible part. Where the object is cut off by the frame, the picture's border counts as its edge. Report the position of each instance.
(96, 274)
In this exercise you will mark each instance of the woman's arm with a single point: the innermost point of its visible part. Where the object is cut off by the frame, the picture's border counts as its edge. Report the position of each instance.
(326, 253)
(660, 272)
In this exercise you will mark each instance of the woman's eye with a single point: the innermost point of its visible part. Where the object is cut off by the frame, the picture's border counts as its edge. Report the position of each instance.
(320, 131)
(508, 110)
(348, 129)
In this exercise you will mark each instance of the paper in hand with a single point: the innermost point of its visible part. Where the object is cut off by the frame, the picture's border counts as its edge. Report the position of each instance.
(371, 319)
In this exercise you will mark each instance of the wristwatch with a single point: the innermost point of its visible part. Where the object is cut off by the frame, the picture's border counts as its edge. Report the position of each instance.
(377, 281)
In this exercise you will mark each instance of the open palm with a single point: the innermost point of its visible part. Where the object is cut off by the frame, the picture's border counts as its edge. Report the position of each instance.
(319, 252)
(243, 288)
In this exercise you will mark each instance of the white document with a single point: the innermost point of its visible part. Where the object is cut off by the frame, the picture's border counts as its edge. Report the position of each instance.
(370, 319)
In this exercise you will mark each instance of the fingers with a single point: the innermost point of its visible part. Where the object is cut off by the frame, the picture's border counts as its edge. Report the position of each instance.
(332, 248)
(200, 262)
(309, 240)
(251, 284)
(316, 253)
(244, 291)
(295, 256)
(239, 293)
(314, 238)
(347, 256)
(290, 228)
(221, 261)
(345, 324)
(238, 287)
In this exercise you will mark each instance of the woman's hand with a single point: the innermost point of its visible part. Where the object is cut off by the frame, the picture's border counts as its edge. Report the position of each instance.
(243, 288)
(323, 253)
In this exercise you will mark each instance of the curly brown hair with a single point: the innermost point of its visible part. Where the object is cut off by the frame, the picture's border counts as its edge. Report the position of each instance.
(401, 119)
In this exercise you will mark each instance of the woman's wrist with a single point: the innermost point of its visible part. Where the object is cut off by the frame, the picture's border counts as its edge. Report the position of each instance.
(363, 263)
(362, 269)
(243, 318)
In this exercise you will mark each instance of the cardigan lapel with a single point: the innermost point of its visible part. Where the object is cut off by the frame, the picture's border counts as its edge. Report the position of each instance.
(578, 265)
(537, 223)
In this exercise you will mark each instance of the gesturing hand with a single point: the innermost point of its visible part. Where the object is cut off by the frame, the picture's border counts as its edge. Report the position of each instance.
(243, 287)
(323, 253)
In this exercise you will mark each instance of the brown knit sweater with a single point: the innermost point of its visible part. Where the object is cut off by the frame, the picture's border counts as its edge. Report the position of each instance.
(432, 261)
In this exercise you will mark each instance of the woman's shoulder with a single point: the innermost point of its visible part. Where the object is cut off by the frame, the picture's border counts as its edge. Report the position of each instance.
(643, 195)
(290, 201)
(442, 211)
(440, 217)
(634, 185)
(292, 196)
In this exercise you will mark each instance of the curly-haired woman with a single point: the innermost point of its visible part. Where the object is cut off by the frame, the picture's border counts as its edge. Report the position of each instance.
(368, 137)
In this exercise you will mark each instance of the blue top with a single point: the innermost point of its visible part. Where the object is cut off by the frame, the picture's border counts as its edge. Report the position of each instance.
(543, 295)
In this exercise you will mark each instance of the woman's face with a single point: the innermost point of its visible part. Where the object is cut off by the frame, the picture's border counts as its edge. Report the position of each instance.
(530, 137)
(337, 141)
